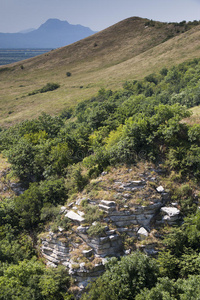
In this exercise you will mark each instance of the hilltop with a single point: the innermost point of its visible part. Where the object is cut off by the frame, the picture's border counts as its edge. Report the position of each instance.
(128, 50)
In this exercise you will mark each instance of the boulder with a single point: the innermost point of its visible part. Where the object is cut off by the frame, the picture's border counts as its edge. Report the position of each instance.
(172, 214)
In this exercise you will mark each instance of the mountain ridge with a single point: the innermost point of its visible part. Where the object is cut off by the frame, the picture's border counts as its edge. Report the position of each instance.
(52, 34)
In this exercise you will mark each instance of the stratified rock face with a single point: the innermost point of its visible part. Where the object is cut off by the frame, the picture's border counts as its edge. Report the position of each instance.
(141, 216)
(88, 263)
(109, 245)
(53, 250)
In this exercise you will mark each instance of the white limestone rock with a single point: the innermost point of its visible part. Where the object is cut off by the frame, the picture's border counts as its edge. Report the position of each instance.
(50, 264)
(160, 189)
(74, 216)
(104, 173)
(63, 209)
(81, 213)
(114, 237)
(142, 233)
(110, 232)
(79, 200)
(107, 208)
(172, 215)
(127, 252)
(135, 183)
(82, 229)
(127, 196)
(171, 211)
(60, 229)
(87, 253)
(108, 203)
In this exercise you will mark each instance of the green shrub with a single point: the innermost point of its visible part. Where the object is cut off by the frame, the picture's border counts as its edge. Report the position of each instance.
(96, 230)
(164, 71)
(48, 87)
(49, 212)
(92, 213)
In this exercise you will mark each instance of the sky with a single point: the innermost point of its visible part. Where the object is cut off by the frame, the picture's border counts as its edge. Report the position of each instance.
(18, 15)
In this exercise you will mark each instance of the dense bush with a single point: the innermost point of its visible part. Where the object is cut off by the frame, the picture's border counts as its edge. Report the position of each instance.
(124, 279)
(181, 256)
(169, 289)
(28, 206)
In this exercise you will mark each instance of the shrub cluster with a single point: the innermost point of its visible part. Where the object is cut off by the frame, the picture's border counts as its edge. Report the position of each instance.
(47, 88)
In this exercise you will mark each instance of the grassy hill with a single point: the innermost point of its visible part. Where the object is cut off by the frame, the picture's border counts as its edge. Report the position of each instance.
(130, 49)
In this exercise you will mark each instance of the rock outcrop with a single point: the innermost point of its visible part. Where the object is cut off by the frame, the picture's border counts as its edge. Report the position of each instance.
(132, 211)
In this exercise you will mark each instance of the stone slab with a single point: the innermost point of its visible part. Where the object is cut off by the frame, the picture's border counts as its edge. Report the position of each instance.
(74, 216)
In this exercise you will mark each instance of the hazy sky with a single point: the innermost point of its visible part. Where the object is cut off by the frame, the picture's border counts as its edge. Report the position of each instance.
(17, 15)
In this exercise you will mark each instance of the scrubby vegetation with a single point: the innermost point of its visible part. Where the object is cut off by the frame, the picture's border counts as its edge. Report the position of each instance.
(47, 88)
(55, 157)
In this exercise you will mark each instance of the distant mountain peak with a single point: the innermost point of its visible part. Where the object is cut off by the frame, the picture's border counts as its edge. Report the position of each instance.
(53, 33)
(54, 23)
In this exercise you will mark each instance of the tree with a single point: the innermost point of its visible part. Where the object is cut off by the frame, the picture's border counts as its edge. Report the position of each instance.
(22, 159)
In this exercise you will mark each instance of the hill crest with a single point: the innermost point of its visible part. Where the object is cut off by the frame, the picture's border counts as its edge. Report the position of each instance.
(119, 42)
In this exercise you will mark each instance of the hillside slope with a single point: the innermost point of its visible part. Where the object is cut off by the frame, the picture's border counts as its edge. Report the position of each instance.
(130, 49)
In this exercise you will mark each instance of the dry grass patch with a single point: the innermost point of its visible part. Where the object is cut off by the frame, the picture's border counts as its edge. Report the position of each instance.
(108, 186)
(194, 118)
(4, 165)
